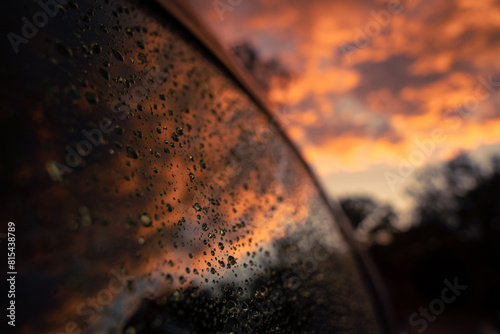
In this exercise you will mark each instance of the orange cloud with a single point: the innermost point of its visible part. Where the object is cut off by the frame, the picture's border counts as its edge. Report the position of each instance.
(367, 106)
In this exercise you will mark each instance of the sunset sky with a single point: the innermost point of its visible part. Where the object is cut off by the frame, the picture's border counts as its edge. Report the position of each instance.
(376, 83)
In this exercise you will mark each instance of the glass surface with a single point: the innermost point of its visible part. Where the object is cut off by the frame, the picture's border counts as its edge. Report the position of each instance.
(151, 195)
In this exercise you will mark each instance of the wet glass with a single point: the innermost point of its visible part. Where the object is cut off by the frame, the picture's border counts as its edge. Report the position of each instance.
(151, 194)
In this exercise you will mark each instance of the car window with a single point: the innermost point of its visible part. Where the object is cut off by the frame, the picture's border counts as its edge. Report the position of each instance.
(153, 195)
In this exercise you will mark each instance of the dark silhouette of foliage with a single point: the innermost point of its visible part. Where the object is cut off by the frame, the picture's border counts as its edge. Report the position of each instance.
(461, 196)
(263, 71)
(357, 208)
(369, 217)
(455, 233)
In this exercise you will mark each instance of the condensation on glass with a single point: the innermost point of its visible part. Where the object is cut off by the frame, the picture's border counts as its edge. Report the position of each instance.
(180, 208)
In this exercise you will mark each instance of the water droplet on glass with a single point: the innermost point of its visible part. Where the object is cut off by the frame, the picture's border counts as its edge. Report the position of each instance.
(146, 220)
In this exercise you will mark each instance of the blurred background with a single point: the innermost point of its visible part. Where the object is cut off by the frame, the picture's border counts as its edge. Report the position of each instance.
(394, 104)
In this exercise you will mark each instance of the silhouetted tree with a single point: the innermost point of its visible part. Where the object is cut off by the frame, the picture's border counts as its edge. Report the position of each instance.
(357, 208)
(263, 71)
(370, 218)
(460, 195)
